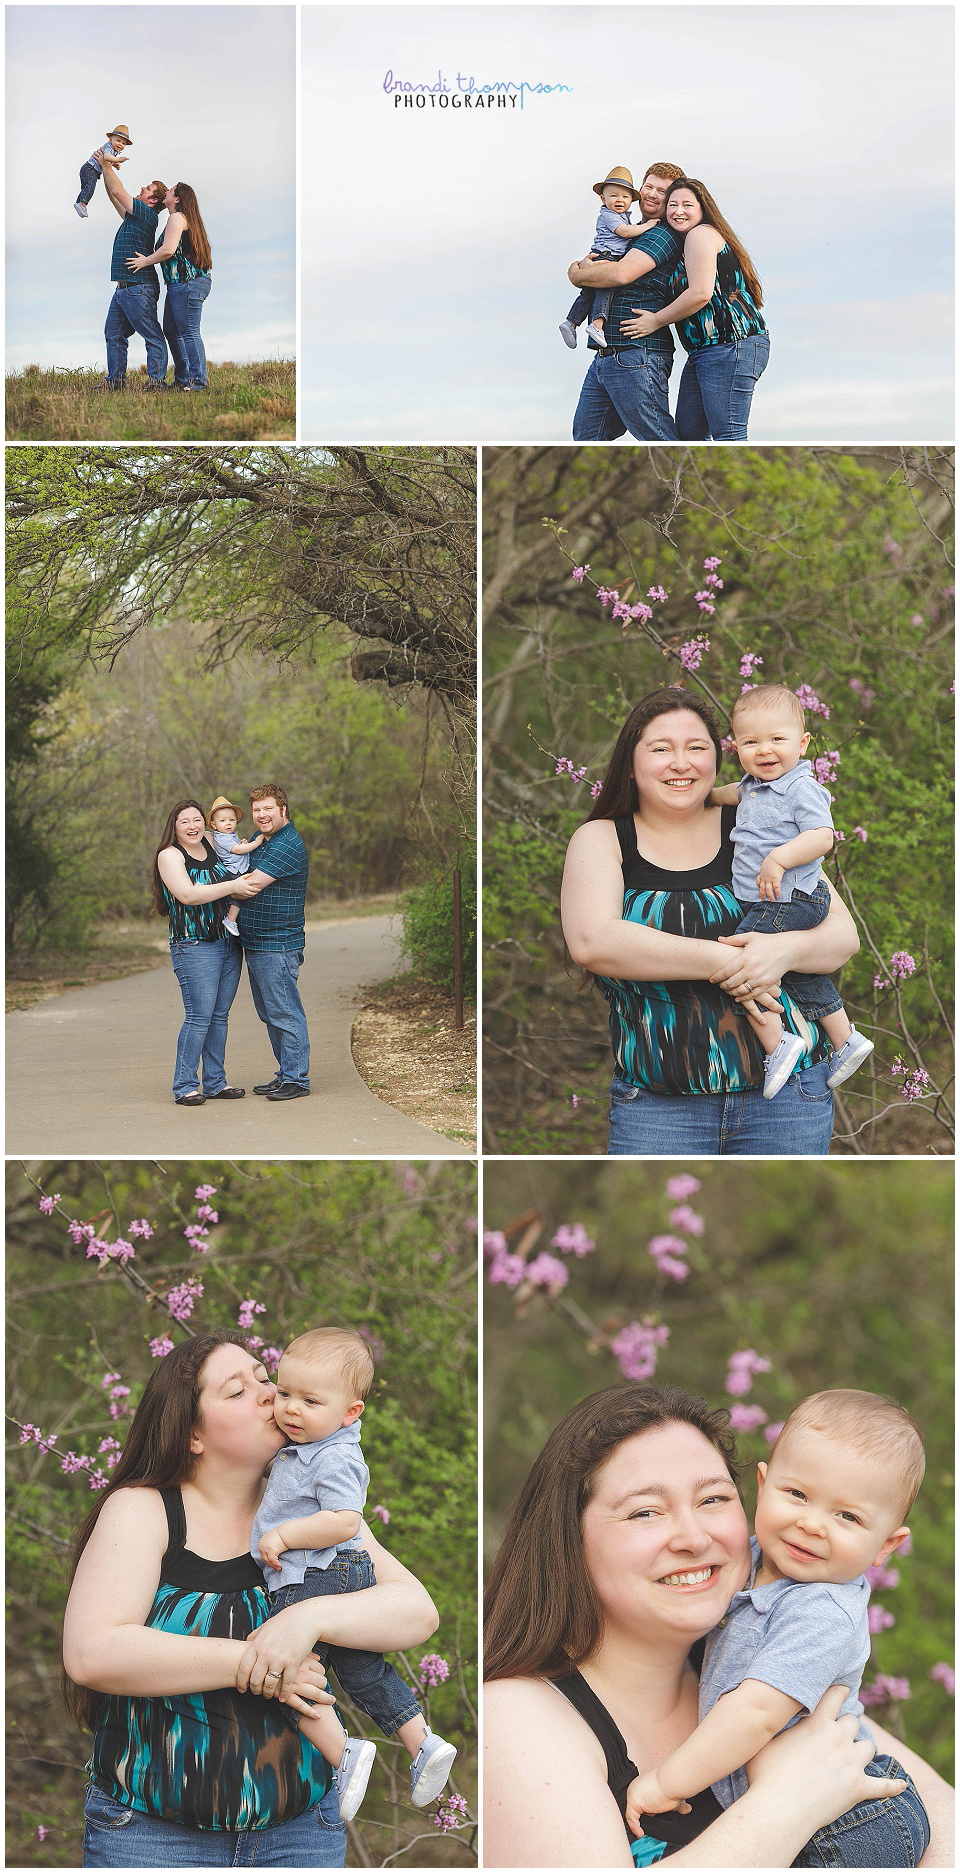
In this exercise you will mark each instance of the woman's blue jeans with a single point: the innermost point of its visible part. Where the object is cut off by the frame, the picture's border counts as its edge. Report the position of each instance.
(890, 1832)
(797, 1124)
(115, 1836)
(208, 974)
(181, 329)
(716, 390)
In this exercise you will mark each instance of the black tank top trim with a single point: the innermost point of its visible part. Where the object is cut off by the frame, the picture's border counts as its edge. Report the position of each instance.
(677, 1830)
(641, 874)
(180, 1567)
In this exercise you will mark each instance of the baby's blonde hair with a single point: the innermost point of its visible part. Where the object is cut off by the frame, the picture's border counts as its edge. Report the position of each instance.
(770, 696)
(342, 1350)
(872, 1424)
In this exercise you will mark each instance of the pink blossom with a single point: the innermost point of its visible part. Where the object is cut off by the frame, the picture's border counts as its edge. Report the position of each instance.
(747, 1417)
(825, 767)
(140, 1227)
(772, 1431)
(943, 1674)
(161, 1346)
(682, 1187)
(893, 550)
(451, 1814)
(918, 620)
(46, 1206)
(31, 1433)
(109, 1378)
(596, 789)
(808, 699)
(181, 1299)
(247, 1310)
(434, 1670)
(683, 1217)
(196, 1236)
(121, 1251)
(271, 1356)
(546, 1271)
(607, 596)
(507, 1270)
(878, 1618)
(574, 1101)
(860, 689)
(572, 1239)
(741, 1370)
(579, 573)
(727, 744)
(677, 1271)
(81, 1232)
(858, 833)
(494, 1242)
(666, 1251)
(99, 1249)
(711, 564)
(884, 1690)
(206, 1214)
(658, 594)
(636, 1348)
(705, 605)
(902, 965)
(203, 1191)
(380, 1510)
(565, 766)
(692, 651)
(641, 611)
(881, 1579)
(748, 663)
(713, 583)
(42, 1832)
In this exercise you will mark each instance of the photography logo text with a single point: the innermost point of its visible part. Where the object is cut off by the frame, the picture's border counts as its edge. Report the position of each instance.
(464, 92)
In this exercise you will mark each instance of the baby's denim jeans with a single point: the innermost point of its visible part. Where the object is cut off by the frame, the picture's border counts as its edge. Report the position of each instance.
(365, 1676)
(891, 1832)
(815, 996)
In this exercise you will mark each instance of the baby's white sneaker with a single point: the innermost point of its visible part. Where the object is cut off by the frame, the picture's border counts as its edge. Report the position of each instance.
(846, 1059)
(568, 333)
(352, 1774)
(230, 923)
(779, 1065)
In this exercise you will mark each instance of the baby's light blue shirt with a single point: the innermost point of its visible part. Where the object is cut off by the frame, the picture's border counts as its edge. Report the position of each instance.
(800, 1637)
(771, 812)
(236, 862)
(329, 1474)
(604, 238)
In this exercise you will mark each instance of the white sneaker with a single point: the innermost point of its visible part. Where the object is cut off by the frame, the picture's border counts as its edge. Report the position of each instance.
(352, 1775)
(229, 923)
(429, 1769)
(779, 1065)
(81, 210)
(599, 337)
(568, 333)
(846, 1059)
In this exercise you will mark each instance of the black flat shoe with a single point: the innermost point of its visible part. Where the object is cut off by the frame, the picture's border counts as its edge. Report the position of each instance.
(229, 1092)
(269, 1086)
(192, 1099)
(289, 1090)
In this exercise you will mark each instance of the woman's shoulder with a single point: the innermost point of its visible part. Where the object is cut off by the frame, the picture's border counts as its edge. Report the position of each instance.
(508, 1702)
(596, 838)
(133, 1512)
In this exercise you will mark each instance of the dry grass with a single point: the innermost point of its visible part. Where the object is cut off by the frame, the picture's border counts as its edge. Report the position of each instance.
(244, 403)
(406, 1048)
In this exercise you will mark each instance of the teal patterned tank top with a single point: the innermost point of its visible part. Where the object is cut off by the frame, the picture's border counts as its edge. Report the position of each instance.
(688, 1037)
(178, 267)
(219, 1760)
(731, 313)
(197, 923)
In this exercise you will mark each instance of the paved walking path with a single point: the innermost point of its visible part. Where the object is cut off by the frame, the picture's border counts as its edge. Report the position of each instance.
(89, 1072)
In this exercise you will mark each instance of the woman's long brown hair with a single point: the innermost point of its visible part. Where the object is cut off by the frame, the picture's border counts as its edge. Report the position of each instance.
(618, 794)
(169, 837)
(156, 1455)
(542, 1617)
(195, 232)
(714, 219)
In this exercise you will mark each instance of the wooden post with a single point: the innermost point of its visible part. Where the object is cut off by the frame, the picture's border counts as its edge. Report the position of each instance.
(457, 951)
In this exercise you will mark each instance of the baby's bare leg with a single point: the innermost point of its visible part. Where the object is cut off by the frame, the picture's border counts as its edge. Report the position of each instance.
(837, 1027)
(412, 1733)
(326, 1733)
(766, 1025)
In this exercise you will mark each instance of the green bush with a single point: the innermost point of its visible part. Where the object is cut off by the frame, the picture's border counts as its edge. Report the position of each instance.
(427, 939)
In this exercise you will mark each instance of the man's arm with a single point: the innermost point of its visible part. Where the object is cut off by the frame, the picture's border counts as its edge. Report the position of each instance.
(611, 272)
(700, 250)
(255, 882)
(120, 197)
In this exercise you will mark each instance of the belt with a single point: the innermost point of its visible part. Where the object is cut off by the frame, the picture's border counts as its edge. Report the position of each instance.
(121, 286)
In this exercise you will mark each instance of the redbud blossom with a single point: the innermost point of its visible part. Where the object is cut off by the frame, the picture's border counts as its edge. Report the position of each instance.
(545, 1271)
(711, 564)
(203, 1191)
(683, 1217)
(181, 1299)
(46, 1204)
(878, 1619)
(579, 573)
(434, 1670)
(772, 1431)
(247, 1310)
(658, 594)
(747, 1417)
(825, 767)
(748, 663)
(881, 1579)
(507, 1271)
(42, 1832)
(494, 1242)
(809, 700)
(381, 1511)
(636, 1348)
(692, 651)
(140, 1227)
(452, 1813)
(161, 1346)
(884, 1690)
(943, 1674)
(572, 1239)
(682, 1187)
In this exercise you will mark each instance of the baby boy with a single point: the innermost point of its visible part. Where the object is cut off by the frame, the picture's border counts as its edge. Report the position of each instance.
(611, 238)
(91, 171)
(306, 1538)
(831, 1501)
(783, 830)
(223, 820)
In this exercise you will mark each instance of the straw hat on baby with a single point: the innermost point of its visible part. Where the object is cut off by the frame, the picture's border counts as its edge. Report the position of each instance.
(121, 131)
(625, 180)
(221, 801)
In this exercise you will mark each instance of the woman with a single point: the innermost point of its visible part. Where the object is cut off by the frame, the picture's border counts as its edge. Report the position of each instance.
(189, 884)
(593, 1606)
(647, 906)
(717, 316)
(195, 1760)
(185, 262)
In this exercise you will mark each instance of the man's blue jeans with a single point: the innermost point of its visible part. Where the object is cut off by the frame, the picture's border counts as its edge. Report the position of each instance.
(276, 998)
(134, 309)
(115, 1836)
(181, 329)
(890, 1832)
(797, 1124)
(716, 390)
(367, 1677)
(208, 974)
(625, 392)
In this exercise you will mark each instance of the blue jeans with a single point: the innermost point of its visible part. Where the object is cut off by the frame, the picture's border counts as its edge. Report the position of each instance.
(276, 998)
(208, 974)
(181, 329)
(134, 309)
(891, 1832)
(716, 390)
(626, 392)
(815, 996)
(115, 1836)
(89, 177)
(797, 1124)
(365, 1676)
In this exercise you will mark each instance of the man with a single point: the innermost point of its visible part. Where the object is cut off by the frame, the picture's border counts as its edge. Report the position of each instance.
(133, 307)
(626, 386)
(272, 934)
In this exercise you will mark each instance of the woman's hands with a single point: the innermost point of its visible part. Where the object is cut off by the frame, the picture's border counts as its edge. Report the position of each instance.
(278, 1650)
(139, 261)
(820, 1762)
(640, 325)
(304, 1689)
(756, 965)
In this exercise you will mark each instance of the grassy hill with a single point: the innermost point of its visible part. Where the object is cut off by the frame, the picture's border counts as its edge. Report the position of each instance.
(244, 402)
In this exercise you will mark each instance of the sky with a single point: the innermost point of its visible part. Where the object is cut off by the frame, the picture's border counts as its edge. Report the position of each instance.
(209, 94)
(435, 241)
